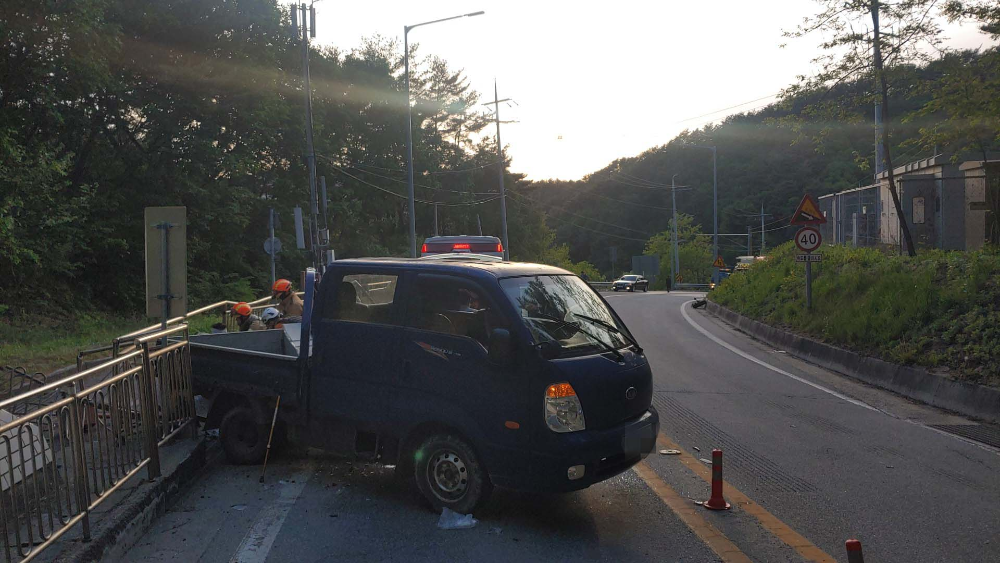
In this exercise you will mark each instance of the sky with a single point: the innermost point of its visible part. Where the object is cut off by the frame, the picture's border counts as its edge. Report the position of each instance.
(596, 81)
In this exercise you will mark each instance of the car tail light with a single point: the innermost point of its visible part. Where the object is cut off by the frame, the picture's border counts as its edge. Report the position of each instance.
(423, 248)
(460, 246)
(563, 411)
(499, 247)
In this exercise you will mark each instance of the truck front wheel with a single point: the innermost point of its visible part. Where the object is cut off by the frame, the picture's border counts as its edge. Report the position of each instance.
(450, 475)
(244, 439)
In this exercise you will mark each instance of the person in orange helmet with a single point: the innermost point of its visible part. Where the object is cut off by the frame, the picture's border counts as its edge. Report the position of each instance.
(245, 318)
(289, 304)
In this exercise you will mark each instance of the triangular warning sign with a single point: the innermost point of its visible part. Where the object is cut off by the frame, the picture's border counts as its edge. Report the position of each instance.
(719, 262)
(808, 213)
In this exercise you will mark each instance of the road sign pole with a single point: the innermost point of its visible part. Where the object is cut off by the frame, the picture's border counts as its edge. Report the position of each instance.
(809, 291)
(270, 226)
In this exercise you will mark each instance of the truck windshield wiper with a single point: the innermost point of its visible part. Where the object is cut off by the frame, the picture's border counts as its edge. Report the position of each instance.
(610, 327)
(577, 326)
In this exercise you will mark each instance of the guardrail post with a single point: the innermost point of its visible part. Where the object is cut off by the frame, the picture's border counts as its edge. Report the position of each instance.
(187, 379)
(149, 415)
(80, 460)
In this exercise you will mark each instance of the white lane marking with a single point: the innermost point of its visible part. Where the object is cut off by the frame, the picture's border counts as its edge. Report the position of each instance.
(743, 354)
(258, 541)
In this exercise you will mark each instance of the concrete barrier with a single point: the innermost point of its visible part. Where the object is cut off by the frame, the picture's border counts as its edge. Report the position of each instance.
(914, 382)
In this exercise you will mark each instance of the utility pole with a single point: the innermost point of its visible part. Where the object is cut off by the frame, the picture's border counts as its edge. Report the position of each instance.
(675, 263)
(435, 219)
(762, 229)
(749, 240)
(500, 166)
(762, 216)
(479, 223)
(308, 28)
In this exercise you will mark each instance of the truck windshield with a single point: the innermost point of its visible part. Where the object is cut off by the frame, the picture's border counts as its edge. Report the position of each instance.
(564, 310)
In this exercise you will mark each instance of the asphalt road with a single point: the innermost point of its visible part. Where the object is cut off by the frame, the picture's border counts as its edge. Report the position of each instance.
(811, 459)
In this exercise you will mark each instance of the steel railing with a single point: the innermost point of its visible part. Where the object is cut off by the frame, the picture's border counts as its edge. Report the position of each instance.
(60, 461)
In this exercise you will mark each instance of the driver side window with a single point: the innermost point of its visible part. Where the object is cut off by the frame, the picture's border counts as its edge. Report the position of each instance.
(453, 306)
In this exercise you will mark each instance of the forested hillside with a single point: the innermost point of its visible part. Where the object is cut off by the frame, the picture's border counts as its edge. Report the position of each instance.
(110, 106)
(816, 141)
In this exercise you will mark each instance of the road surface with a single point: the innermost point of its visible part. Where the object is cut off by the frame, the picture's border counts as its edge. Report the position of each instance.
(811, 459)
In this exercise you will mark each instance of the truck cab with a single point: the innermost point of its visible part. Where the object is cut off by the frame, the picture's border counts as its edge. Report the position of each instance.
(469, 375)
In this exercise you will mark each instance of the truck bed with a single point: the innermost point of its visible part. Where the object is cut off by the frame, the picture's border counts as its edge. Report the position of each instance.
(257, 363)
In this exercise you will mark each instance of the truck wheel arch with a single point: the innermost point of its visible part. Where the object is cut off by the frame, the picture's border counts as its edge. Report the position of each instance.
(416, 435)
(223, 401)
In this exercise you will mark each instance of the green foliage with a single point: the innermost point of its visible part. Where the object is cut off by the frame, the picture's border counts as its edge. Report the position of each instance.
(694, 252)
(112, 106)
(940, 309)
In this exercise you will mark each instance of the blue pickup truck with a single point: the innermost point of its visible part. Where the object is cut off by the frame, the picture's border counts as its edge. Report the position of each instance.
(463, 374)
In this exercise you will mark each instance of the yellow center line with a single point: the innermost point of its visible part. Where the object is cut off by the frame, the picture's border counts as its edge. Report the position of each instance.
(770, 522)
(688, 513)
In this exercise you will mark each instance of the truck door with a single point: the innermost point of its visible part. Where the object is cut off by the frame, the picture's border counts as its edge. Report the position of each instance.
(356, 349)
(447, 375)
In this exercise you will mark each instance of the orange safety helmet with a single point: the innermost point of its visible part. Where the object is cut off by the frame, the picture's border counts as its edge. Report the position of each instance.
(281, 286)
(242, 309)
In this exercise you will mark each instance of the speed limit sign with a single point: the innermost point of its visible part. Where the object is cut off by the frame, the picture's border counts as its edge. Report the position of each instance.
(808, 239)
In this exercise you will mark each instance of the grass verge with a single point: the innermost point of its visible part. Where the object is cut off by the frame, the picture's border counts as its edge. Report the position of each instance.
(940, 309)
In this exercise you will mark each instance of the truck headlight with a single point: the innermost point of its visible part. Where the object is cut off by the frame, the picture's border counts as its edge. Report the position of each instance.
(563, 412)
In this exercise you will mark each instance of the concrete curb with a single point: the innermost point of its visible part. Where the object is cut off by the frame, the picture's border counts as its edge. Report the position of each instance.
(118, 530)
(916, 383)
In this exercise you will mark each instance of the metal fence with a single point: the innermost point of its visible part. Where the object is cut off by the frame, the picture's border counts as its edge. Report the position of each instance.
(60, 460)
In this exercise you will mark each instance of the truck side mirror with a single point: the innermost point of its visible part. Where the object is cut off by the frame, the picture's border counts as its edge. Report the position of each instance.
(500, 346)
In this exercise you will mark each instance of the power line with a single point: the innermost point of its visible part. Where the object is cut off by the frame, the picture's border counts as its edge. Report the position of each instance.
(584, 216)
(401, 181)
(725, 109)
(646, 187)
(515, 197)
(626, 202)
(401, 196)
(434, 172)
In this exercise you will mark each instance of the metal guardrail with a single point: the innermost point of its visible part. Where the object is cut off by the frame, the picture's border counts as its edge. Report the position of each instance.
(704, 286)
(601, 286)
(59, 461)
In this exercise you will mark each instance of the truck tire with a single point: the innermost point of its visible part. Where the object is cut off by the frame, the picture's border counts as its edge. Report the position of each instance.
(450, 475)
(243, 437)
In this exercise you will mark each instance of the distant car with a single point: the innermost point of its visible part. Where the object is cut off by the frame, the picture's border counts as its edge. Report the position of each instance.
(631, 282)
(462, 244)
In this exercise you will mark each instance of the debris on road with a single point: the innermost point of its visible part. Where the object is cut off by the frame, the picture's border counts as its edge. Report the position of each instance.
(696, 448)
(670, 452)
(451, 520)
(239, 507)
(699, 303)
(496, 530)
(709, 462)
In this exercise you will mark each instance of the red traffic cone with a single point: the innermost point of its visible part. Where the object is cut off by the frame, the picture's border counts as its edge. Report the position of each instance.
(854, 554)
(717, 502)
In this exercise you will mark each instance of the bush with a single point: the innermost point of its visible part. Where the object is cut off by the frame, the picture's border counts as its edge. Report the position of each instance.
(939, 309)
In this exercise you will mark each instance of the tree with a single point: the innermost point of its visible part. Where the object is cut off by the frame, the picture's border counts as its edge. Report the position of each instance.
(694, 251)
(856, 52)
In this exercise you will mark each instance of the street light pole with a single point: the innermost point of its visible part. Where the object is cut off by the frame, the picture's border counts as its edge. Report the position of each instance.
(409, 125)
(715, 206)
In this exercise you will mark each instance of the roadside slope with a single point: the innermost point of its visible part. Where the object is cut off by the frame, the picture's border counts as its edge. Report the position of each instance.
(940, 310)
